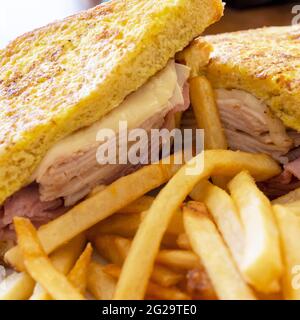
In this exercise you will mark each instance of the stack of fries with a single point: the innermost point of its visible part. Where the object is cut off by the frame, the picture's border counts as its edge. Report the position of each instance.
(211, 235)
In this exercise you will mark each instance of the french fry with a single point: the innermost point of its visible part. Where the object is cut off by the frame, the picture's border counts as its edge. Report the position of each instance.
(115, 249)
(39, 265)
(17, 286)
(79, 274)
(138, 266)
(100, 284)
(293, 206)
(161, 293)
(126, 225)
(140, 205)
(112, 248)
(165, 277)
(153, 290)
(289, 228)
(96, 190)
(207, 116)
(208, 244)
(183, 242)
(262, 246)
(196, 56)
(178, 259)
(91, 211)
(20, 286)
(292, 196)
(207, 113)
(175, 226)
(225, 215)
(63, 259)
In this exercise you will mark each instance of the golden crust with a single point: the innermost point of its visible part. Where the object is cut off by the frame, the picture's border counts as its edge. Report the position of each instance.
(69, 74)
(264, 62)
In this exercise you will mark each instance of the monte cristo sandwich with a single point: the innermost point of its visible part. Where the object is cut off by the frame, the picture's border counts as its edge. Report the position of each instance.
(256, 79)
(60, 84)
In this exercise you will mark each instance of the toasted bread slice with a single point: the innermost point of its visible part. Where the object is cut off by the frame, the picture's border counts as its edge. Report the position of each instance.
(71, 73)
(264, 62)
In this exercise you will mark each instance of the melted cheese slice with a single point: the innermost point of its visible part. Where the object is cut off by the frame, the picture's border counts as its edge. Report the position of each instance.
(138, 107)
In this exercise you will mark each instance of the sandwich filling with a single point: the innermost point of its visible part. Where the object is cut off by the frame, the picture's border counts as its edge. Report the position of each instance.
(71, 170)
(250, 126)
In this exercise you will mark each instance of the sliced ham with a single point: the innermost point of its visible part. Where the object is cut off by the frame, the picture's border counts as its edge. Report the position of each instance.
(294, 168)
(69, 178)
(250, 126)
(27, 203)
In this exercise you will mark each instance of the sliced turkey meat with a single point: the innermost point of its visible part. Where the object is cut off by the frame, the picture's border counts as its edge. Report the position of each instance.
(70, 169)
(77, 172)
(250, 126)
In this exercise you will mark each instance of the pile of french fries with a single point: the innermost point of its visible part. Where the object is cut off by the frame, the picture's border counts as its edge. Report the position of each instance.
(211, 235)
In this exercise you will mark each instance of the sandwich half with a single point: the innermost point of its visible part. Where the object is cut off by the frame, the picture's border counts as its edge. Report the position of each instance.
(61, 84)
(256, 78)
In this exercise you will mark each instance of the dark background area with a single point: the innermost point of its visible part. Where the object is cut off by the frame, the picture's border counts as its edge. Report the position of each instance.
(20, 16)
(240, 4)
(272, 13)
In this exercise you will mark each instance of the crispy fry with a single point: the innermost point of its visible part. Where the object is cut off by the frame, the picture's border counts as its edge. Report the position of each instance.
(124, 225)
(293, 206)
(208, 118)
(17, 286)
(138, 266)
(196, 56)
(20, 286)
(112, 248)
(96, 190)
(175, 226)
(78, 275)
(262, 247)
(153, 290)
(115, 249)
(127, 225)
(207, 113)
(63, 260)
(39, 265)
(289, 228)
(100, 284)
(102, 205)
(225, 214)
(208, 244)
(162, 293)
(165, 277)
(178, 259)
(183, 242)
(140, 205)
(293, 196)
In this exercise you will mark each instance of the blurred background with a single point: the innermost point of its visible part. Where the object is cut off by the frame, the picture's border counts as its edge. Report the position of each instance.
(20, 16)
